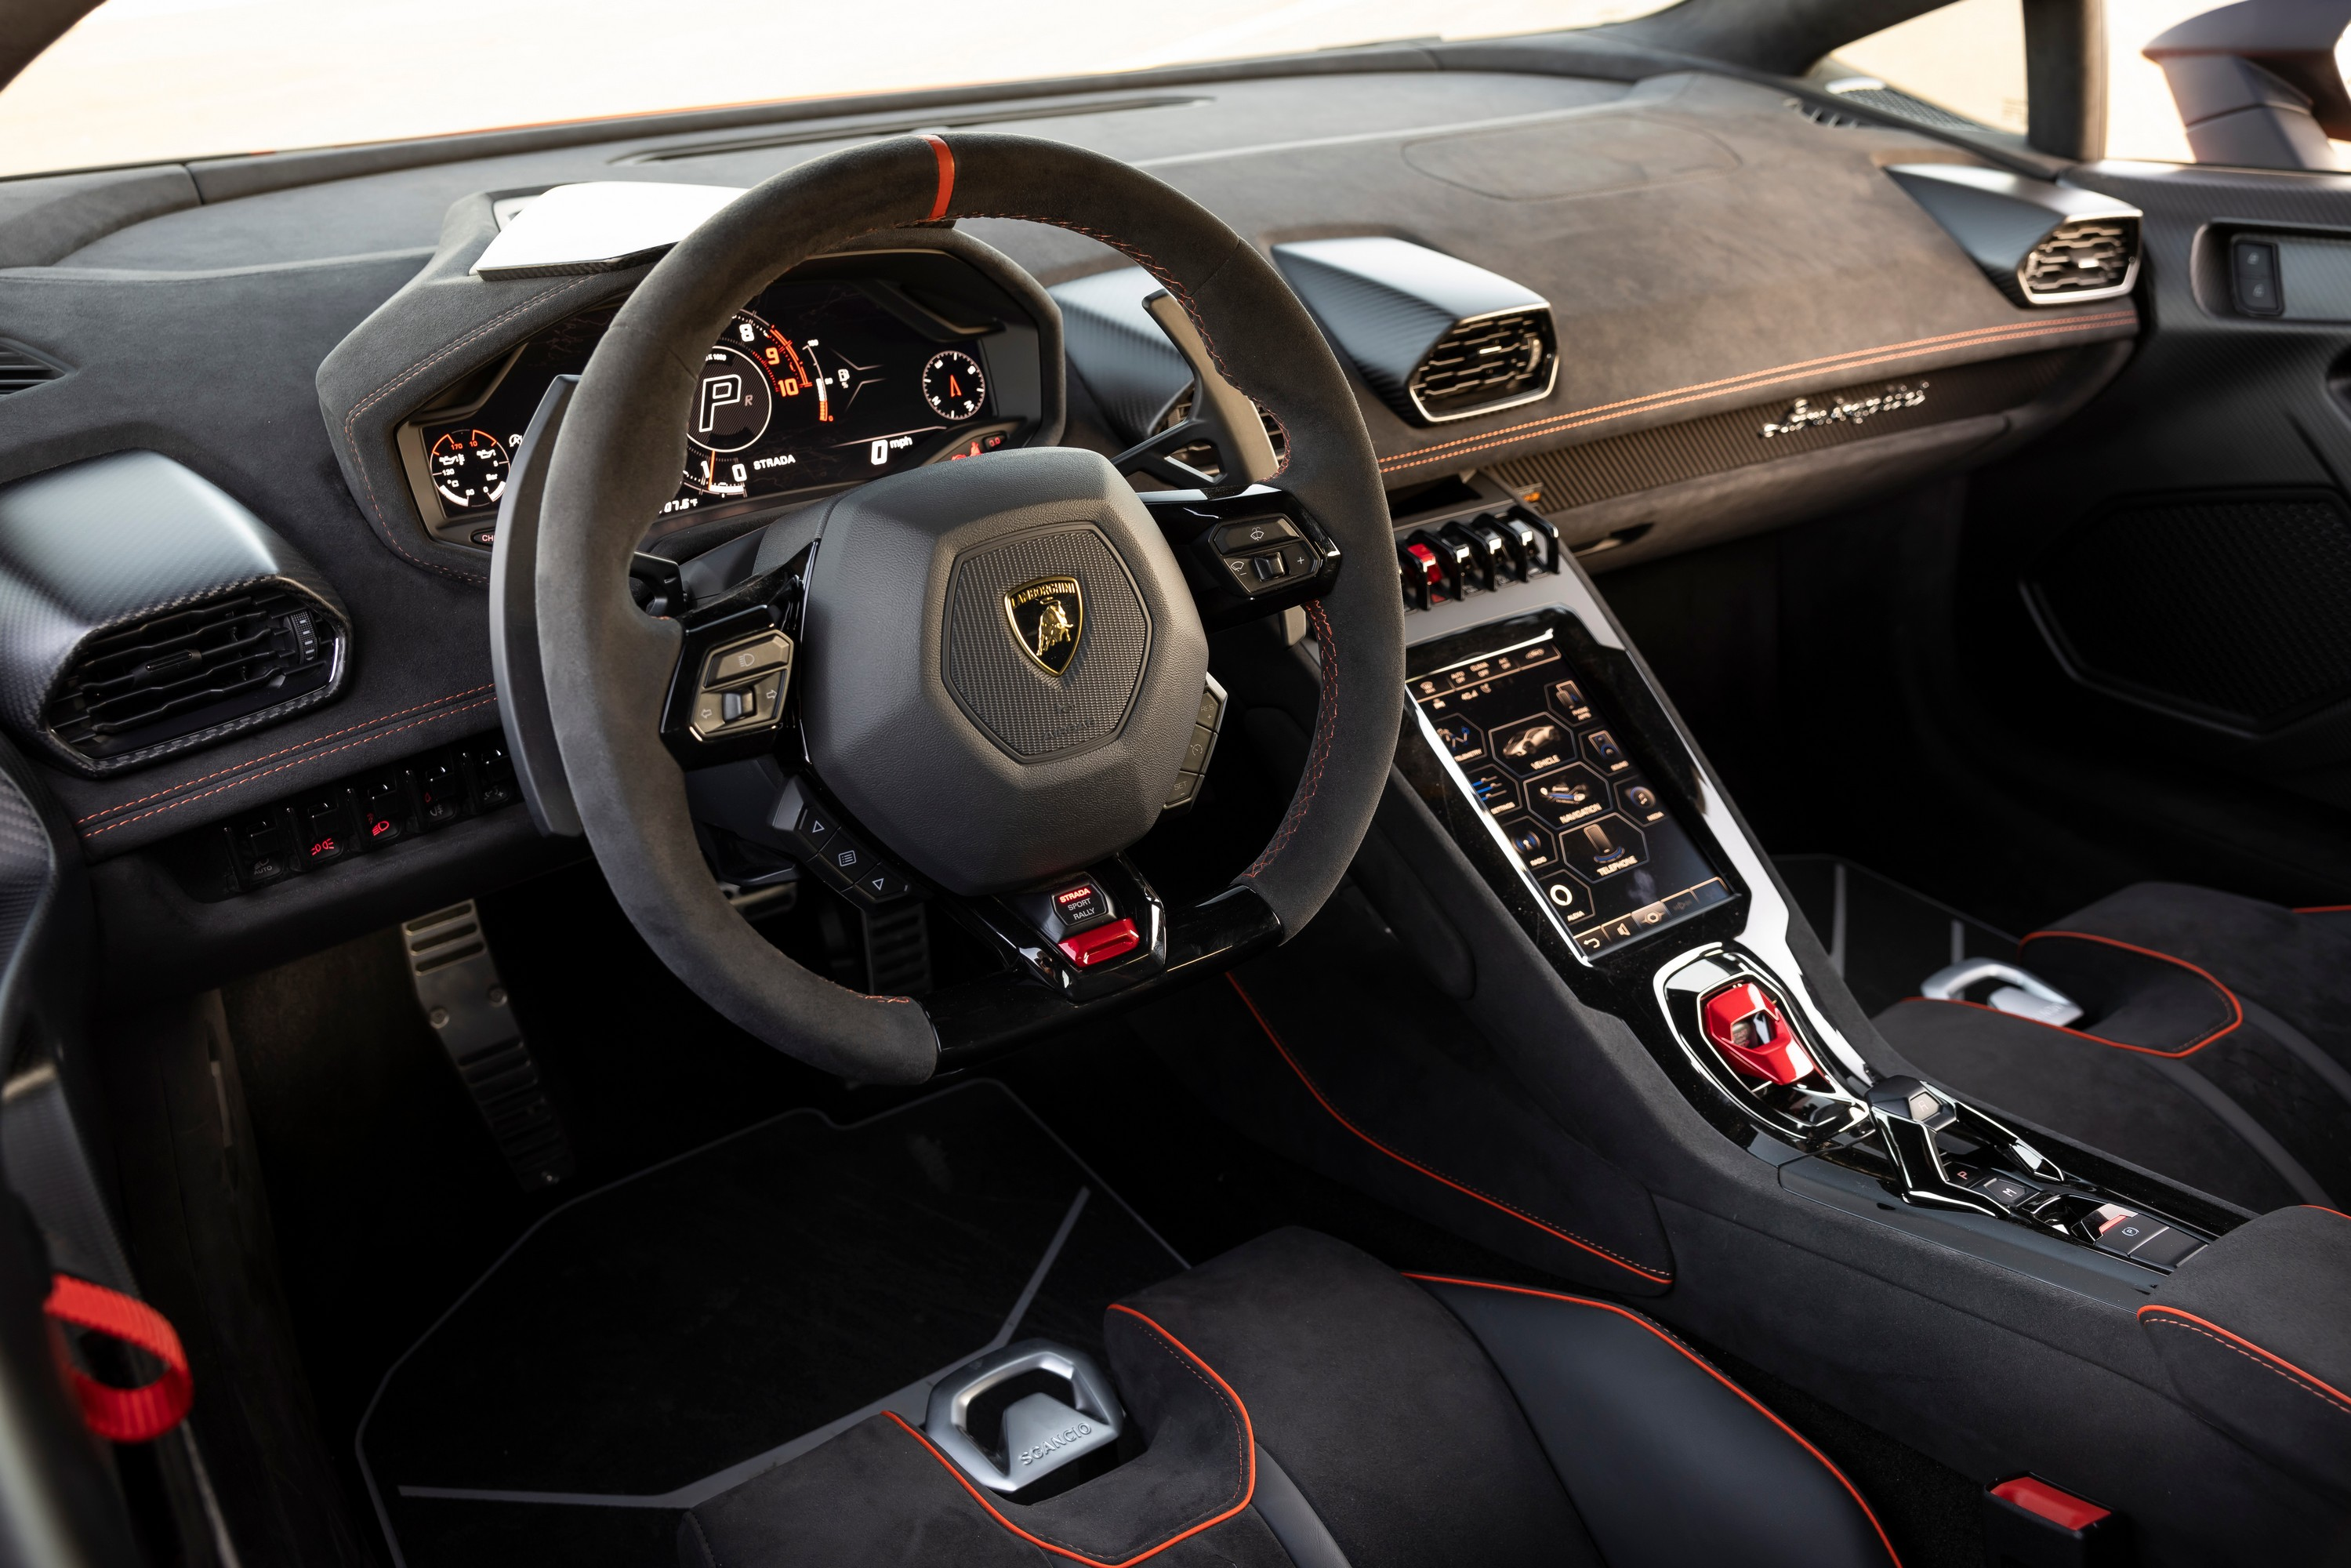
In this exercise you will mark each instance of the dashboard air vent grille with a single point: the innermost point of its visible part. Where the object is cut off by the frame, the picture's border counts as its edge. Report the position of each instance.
(2082, 259)
(20, 369)
(1485, 363)
(173, 674)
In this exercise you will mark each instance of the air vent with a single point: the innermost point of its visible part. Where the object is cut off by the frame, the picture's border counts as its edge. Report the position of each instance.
(20, 368)
(1491, 362)
(1436, 336)
(2088, 258)
(174, 675)
(2041, 242)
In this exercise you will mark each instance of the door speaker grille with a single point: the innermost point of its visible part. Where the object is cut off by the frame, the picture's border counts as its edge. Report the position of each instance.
(2234, 611)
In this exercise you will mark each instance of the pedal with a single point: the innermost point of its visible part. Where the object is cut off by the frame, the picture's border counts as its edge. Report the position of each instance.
(897, 950)
(458, 984)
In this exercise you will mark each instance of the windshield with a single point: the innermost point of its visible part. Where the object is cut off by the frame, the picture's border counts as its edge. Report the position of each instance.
(158, 81)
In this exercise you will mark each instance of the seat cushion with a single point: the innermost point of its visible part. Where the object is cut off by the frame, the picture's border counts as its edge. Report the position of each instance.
(1385, 1423)
(2215, 1046)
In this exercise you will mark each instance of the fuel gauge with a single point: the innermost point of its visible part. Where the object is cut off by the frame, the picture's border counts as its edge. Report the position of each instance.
(469, 468)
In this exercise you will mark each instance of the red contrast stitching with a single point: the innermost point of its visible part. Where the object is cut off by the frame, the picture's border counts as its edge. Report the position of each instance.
(241, 783)
(2236, 1011)
(1856, 358)
(1517, 1214)
(298, 746)
(2250, 1351)
(350, 420)
(1326, 725)
(1248, 1441)
(2325, 909)
(1859, 1501)
(945, 157)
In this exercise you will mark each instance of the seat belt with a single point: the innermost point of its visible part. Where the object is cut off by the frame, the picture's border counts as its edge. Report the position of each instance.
(123, 1414)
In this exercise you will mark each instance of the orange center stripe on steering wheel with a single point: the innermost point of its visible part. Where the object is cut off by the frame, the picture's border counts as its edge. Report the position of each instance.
(945, 155)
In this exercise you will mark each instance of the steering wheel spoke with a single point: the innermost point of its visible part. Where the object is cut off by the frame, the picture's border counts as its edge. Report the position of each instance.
(1246, 555)
(732, 684)
(994, 681)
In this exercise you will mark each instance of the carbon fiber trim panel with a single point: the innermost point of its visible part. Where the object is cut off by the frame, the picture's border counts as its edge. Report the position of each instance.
(105, 545)
(1571, 476)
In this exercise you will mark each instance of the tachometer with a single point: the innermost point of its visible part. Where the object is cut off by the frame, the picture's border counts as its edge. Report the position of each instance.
(747, 374)
(469, 467)
(953, 385)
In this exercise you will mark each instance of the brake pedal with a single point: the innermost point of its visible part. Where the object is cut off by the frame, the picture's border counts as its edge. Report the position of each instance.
(458, 984)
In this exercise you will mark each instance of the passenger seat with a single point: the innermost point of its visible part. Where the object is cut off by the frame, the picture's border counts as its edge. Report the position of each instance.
(2212, 1043)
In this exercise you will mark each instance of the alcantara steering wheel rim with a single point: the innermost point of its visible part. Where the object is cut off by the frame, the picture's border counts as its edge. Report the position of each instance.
(609, 665)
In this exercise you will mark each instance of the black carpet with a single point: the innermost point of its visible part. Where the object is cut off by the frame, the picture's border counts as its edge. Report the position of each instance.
(660, 1339)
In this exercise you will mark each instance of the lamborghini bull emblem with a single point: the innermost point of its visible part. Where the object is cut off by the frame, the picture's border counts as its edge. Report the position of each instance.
(1047, 616)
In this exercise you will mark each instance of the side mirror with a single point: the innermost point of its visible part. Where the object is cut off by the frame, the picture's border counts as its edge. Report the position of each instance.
(2257, 84)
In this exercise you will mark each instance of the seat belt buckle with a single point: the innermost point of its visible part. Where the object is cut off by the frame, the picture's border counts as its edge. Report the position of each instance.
(2028, 1523)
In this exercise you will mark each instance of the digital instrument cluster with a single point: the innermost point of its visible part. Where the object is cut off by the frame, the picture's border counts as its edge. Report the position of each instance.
(818, 383)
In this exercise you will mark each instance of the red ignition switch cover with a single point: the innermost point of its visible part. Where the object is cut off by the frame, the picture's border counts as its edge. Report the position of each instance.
(1747, 1026)
(1100, 943)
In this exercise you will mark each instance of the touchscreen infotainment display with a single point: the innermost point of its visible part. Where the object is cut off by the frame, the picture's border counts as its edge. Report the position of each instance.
(1574, 809)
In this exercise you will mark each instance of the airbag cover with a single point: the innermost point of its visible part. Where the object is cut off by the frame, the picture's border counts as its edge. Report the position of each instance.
(984, 764)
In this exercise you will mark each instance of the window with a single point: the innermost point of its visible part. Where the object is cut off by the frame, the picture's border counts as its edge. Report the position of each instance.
(1967, 59)
(151, 80)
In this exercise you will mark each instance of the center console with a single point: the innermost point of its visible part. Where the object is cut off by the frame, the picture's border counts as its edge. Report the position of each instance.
(1539, 741)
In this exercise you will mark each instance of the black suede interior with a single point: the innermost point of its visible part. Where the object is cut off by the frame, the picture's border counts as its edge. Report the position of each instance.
(608, 666)
(1667, 1463)
(1337, 1050)
(2117, 1101)
(1378, 1403)
(879, 1493)
(2241, 1079)
(1382, 1405)
(2254, 1333)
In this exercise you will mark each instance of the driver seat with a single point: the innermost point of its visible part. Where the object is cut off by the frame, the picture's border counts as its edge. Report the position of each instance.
(1304, 1404)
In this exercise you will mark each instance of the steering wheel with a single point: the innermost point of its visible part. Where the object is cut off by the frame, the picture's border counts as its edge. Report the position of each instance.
(923, 701)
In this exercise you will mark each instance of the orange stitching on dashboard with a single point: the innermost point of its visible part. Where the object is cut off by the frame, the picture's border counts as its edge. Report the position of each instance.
(267, 756)
(1753, 380)
(241, 783)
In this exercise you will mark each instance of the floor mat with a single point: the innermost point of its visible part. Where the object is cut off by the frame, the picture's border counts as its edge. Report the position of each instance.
(650, 1344)
(1881, 937)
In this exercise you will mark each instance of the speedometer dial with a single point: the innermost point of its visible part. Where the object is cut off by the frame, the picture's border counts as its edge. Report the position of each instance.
(469, 467)
(953, 385)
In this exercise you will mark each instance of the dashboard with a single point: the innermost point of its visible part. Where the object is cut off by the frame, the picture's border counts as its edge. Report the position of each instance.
(1753, 323)
(846, 369)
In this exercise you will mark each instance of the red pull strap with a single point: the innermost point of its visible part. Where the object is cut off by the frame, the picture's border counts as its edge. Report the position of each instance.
(124, 1415)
